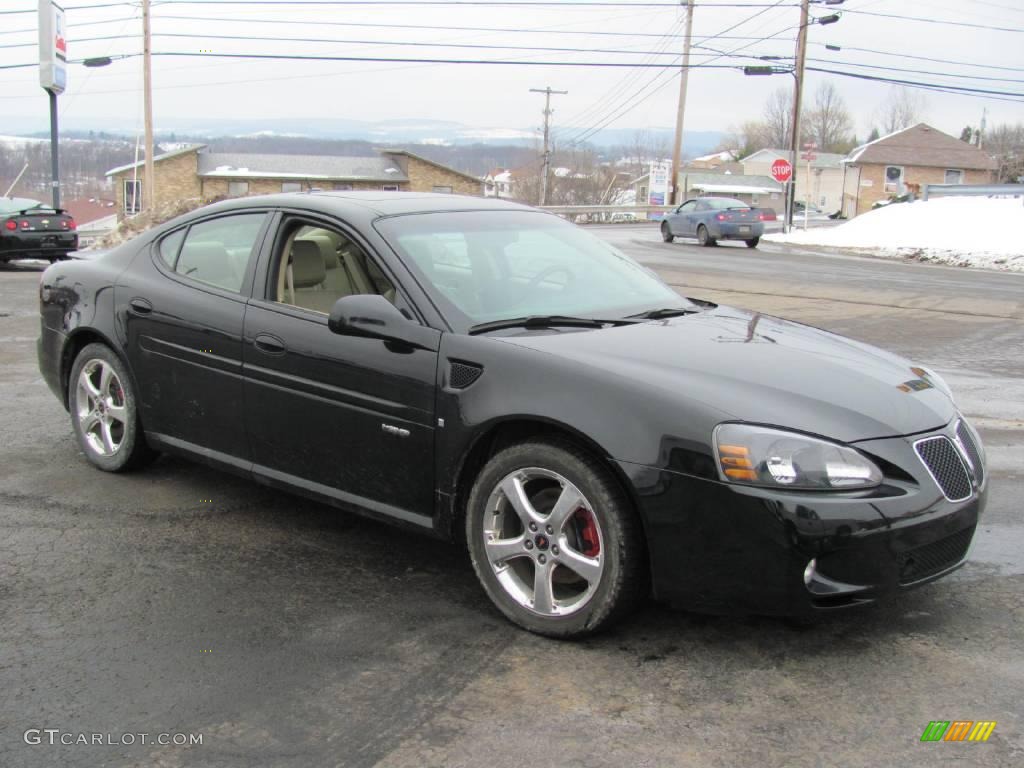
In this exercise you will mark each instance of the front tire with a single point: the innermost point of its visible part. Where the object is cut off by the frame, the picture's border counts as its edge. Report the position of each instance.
(554, 541)
(666, 232)
(752, 242)
(104, 411)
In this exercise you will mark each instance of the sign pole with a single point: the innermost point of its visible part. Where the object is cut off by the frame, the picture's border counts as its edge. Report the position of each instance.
(53, 58)
(54, 151)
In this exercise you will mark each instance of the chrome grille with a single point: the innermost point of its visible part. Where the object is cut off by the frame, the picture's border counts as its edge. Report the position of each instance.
(922, 562)
(944, 464)
(966, 439)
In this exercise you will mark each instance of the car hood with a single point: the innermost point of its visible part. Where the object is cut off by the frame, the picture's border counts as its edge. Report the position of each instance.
(761, 369)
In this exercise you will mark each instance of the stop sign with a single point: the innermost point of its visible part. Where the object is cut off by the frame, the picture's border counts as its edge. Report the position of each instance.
(782, 170)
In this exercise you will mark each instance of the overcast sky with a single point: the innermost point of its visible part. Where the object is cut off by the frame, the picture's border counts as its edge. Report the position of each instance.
(498, 96)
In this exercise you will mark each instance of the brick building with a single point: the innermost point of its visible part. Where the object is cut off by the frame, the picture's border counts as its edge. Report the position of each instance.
(193, 172)
(918, 155)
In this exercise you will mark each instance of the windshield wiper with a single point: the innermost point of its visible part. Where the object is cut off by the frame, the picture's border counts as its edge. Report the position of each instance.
(545, 321)
(659, 314)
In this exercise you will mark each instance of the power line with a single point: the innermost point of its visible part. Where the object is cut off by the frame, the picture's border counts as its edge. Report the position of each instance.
(926, 58)
(917, 84)
(916, 71)
(934, 21)
(510, 30)
(625, 108)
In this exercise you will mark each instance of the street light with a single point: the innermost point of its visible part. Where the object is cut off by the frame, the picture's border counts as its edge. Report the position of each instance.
(806, 20)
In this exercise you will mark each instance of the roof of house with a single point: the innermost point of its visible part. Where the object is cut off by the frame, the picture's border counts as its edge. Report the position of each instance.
(922, 145)
(822, 159)
(751, 182)
(325, 167)
(434, 163)
(733, 189)
(156, 158)
(85, 210)
(382, 167)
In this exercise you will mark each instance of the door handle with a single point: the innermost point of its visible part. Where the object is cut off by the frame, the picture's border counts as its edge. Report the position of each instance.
(269, 344)
(140, 306)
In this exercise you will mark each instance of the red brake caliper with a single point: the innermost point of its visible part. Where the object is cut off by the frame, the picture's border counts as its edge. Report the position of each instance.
(586, 529)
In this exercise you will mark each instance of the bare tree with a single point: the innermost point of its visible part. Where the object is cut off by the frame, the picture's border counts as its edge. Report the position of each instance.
(778, 113)
(828, 123)
(1006, 144)
(901, 109)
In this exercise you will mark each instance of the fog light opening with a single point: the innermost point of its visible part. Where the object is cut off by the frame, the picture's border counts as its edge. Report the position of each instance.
(809, 571)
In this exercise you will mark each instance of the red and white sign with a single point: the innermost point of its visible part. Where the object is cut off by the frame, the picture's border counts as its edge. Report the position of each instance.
(782, 170)
(53, 47)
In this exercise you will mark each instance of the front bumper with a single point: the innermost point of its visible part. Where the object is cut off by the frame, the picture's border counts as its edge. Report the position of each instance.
(717, 547)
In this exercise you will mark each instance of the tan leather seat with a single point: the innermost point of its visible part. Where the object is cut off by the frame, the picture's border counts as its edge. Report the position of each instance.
(209, 263)
(337, 280)
(307, 275)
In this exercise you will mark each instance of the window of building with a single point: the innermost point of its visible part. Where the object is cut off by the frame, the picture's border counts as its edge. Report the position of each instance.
(343, 187)
(238, 188)
(642, 200)
(291, 186)
(893, 178)
(390, 187)
(443, 190)
(132, 196)
(217, 252)
(954, 176)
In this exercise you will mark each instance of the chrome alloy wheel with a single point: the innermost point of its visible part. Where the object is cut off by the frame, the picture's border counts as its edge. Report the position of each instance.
(543, 542)
(100, 406)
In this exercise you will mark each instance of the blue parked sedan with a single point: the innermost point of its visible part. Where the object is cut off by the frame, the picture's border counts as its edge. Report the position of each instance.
(711, 219)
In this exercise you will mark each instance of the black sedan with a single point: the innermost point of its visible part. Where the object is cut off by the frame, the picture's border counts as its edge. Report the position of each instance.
(482, 371)
(30, 229)
(710, 219)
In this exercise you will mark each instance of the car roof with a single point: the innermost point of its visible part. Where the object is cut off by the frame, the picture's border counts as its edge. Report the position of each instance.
(372, 202)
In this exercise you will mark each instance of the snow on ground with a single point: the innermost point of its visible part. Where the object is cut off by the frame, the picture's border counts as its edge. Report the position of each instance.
(961, 231)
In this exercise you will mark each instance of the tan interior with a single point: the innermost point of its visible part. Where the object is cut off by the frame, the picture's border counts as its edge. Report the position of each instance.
(323, 266)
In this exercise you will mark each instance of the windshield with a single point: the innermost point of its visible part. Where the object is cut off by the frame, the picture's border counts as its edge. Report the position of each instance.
(17, 204)
(723, 203)
(496, 265)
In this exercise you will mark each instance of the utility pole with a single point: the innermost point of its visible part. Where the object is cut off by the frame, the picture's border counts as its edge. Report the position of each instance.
(684, 76)
(547, 135)
(794, 139)
(149, 194)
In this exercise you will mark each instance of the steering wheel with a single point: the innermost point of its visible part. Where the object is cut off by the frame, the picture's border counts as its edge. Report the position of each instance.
(544, 274)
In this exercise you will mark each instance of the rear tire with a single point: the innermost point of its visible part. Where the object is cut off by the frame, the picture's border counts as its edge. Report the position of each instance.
(554, 541)
(704, 237)
(752, 242)
(104, 411)
(666, 232)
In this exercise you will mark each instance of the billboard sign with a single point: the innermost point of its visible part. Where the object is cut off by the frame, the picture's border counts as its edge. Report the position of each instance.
(657, 187)
(53, 47)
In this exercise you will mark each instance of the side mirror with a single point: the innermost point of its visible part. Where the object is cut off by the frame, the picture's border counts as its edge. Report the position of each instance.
(372, 316)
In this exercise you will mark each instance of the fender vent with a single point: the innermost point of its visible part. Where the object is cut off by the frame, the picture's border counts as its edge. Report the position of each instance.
(461, 374)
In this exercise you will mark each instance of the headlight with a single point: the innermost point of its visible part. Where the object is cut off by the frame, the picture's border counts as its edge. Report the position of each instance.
(778, 459)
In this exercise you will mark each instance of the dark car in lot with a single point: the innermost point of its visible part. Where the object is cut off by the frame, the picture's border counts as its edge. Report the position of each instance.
(485, 372)
(30, 229)
(710, 219)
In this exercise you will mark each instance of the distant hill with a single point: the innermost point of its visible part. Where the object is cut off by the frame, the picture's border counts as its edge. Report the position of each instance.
(406, 131)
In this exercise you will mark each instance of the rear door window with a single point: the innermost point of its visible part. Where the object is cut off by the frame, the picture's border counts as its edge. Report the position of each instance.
(218, 252)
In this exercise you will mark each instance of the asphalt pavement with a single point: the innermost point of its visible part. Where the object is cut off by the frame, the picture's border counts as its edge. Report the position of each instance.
(180, 600)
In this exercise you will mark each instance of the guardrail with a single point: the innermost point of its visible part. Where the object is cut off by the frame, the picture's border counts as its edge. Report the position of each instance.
(979, 190)
(583, 214)
(577, 209)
